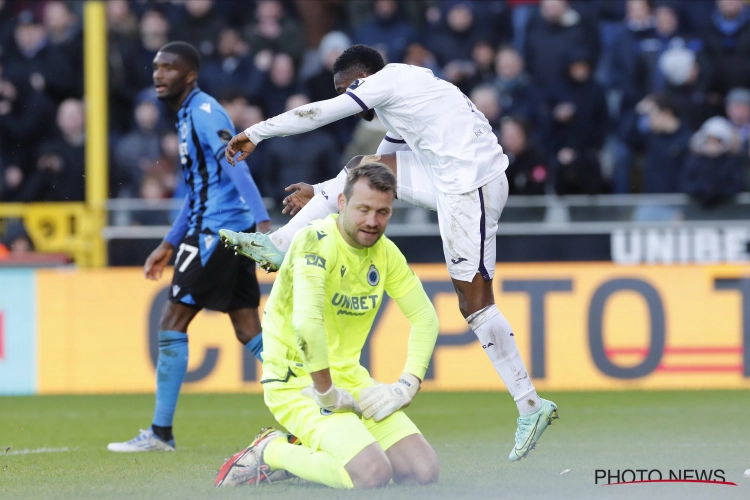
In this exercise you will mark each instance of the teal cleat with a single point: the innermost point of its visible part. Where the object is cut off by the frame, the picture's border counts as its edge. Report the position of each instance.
(530, 429)
(256, 246)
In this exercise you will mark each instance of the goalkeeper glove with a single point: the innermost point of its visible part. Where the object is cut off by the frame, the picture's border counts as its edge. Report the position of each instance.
(380, 401)
(334, 399)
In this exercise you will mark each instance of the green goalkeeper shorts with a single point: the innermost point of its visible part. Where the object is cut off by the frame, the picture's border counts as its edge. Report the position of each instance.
(341, 435)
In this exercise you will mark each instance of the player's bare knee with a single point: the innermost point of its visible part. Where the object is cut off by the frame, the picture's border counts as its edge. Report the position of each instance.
(244, 336)
(174, 319)
(428, 469)
(376, 474)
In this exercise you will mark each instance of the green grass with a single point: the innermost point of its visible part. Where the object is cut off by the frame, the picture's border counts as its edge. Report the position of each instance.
(471, 432)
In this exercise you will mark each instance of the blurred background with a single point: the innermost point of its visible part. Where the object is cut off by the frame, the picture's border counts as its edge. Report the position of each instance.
(626, 123)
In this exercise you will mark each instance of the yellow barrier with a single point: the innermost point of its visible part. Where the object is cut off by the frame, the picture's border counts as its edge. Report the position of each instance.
(578, 326)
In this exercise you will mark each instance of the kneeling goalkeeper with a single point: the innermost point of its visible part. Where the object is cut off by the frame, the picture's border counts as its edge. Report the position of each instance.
(317, 318)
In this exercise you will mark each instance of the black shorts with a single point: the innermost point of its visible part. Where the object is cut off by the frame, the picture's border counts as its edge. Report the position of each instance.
(223, 283)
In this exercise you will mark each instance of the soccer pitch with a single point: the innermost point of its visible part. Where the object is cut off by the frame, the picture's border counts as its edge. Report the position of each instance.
(58, 446)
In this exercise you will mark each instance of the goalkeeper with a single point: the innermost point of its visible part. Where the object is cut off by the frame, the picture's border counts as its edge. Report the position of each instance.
(317, 319)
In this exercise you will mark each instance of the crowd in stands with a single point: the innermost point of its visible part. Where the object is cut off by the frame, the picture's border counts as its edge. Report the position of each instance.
(585, 96)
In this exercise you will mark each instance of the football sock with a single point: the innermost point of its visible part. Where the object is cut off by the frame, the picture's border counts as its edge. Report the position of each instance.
(316, 466)
(496, 337)
(320, 206)
(170, 371)
(163, 433)
(256, 346)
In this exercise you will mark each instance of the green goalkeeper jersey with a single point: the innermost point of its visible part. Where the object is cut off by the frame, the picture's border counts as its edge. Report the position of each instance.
(325, 300)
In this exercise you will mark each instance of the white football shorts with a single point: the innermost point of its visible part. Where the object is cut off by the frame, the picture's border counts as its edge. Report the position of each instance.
(468, 222)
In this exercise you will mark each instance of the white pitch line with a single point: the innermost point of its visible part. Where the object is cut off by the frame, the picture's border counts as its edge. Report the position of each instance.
(27, 451)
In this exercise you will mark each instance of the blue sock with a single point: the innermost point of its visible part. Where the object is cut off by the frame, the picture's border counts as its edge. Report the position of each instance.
(255, 346)
(170, 370)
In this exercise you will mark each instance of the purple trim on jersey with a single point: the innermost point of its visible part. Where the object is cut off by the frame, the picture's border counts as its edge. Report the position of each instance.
(394, 141)
(482, 235)
(358, 101)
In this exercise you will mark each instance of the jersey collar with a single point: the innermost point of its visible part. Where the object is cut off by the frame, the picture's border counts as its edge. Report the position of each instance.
(189, 97)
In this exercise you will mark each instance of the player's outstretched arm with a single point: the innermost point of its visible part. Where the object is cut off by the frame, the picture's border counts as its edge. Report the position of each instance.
(240, 143)
(296, 121)
(380, 401)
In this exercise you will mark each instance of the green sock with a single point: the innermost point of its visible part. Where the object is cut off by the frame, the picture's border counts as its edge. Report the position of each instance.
(315, 466)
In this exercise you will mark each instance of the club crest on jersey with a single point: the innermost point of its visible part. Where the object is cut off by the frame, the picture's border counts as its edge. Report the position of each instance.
(225, 135)
(183, 130)
(356, 83)
(373, 276)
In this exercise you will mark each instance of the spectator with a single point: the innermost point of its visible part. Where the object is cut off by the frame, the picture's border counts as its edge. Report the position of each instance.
(513, 83)
(670, 34)
(418, 55)
(633, 56)
(577, 128)
(483, 58)
(154, 35)
(713, 171)
(320, 87)
(557, 30)
(685, 79)
(487, 101)
(244, 115)
(274, 31)
(136, 150)
(727, 45)
(33, 60)
(666, 138)
(59, 174)
(7, 25)
(279, 85)
(738, 112)
(200, 26)
(232, 66)
(123, 46)
(527, 169)
(387, 31)
(16, 241)
(25, 116)
(66, 46)
(452, 42)
(284, 165)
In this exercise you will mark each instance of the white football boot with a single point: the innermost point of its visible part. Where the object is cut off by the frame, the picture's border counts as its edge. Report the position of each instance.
(145, 441)
(247, 467)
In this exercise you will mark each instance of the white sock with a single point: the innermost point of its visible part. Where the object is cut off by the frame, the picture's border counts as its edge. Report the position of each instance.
(320, 206)
(497, 339)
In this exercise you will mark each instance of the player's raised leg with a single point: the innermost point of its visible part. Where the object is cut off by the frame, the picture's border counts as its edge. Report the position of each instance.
(268, 250)
(171, 367)
(469, 248)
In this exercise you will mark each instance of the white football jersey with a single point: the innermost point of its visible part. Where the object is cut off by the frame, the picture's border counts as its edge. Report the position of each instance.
(432, 116)
(436, 120)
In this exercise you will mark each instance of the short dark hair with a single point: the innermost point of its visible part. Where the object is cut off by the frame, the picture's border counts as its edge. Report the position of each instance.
(378, 176)
(186, 52)
(361, 58)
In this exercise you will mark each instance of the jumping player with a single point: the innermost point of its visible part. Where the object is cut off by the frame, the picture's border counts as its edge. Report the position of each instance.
(318, 317)
(446, 159)
(206, 274)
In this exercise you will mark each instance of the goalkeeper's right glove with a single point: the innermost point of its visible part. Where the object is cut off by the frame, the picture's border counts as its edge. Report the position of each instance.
(381, 400)
(334, 400)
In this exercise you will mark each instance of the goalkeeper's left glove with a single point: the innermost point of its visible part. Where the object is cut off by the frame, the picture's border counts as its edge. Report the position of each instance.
(380, 401)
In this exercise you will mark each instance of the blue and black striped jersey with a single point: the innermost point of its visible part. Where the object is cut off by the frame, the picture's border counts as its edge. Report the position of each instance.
(204, 129)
